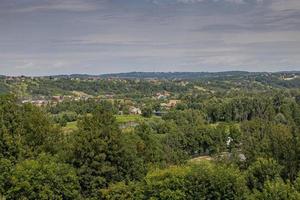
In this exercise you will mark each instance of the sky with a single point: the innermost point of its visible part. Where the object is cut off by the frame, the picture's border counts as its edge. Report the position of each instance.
(47, 37)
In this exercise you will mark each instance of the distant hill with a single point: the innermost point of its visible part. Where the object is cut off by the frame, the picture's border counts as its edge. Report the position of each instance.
(124, 84)
(188, 75)
(174, 75)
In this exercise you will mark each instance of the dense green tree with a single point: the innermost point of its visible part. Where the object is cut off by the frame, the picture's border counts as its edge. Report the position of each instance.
(186, 117)
(151, 147)
(166, 184)
(43, 178)
(38, 133)
(175, 146)
(5, 170)
(96, 151)
(261, 171)
(132, 165)
(210, 181)
(197, 181)
(25, 130)
(276, 190)
(10, 128)
(122, 191)
(261, 139)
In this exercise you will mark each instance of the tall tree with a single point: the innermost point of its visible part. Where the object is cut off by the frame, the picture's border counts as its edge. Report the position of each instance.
(96, 151)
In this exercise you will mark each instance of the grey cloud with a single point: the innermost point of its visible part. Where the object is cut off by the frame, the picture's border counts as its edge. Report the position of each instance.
(51, 5)
(101, 36)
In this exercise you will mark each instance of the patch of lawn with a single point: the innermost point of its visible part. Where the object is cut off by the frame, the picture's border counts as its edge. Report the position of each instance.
(128, 118)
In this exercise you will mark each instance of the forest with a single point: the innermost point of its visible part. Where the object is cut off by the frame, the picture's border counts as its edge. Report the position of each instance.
(227, 136)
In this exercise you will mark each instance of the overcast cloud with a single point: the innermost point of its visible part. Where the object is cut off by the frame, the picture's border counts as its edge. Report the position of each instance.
(42, 37)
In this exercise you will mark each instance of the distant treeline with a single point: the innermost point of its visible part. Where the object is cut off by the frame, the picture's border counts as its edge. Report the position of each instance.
(142, 84)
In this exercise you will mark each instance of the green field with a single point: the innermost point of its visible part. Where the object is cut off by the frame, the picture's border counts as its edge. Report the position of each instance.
(128, 118)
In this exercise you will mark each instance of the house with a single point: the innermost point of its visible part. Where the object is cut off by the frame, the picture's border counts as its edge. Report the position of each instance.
(170, 104)
(135, 111)
(162, 95)
(173, 103)
(40, 103)
(68, 98)
(109, 96)
(25, 101)
(57, 99)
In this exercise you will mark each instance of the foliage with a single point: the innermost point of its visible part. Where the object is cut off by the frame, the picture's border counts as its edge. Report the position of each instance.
(200, 181)
(276, 190)
(261, 171)
(43, 178)
(96, 151)
(246, 124)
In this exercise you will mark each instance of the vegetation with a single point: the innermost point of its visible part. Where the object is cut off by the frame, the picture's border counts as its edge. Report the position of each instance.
(231, 135)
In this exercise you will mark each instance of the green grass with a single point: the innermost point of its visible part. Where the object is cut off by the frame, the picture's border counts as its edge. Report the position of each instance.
(128, 118)
(133, 118)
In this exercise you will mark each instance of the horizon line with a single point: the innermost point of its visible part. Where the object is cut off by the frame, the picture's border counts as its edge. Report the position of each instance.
(154, 72)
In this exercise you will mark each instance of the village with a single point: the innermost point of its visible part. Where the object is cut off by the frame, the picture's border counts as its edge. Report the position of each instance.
(133, 108)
